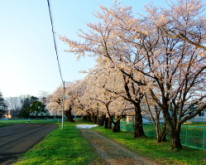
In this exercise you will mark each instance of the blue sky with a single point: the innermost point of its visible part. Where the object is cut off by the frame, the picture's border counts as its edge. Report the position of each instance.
(27, 58)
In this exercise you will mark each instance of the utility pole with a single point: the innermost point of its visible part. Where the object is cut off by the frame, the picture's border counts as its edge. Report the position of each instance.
(57, 57)
(63, 100)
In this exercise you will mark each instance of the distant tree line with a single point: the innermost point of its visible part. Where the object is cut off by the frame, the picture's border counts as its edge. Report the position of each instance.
(2, 106)
(22, 106)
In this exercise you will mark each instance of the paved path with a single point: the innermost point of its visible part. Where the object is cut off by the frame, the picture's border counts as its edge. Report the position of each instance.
(113, 153)
(16, 139)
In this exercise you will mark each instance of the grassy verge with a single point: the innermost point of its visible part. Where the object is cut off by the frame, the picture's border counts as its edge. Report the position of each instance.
(157, 151)
(191, 135)
(61, 147)
(196, 124)
(3, 125)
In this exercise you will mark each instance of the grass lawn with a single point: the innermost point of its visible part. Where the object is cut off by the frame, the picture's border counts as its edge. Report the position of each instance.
(196, 124)
(61, 147)
(3, 124)
(192, 135)
(158, 151)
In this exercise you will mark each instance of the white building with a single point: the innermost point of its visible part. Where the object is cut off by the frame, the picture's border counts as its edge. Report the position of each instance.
(201, 117)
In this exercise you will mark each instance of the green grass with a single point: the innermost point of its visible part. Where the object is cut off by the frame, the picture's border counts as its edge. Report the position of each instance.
(196, 124)
(24, 121)
(157, 151)
(3, 125)
(61, 147)
(192, 135)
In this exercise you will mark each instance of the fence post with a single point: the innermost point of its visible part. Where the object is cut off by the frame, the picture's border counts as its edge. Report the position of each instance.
(203, 143)
(186, 135)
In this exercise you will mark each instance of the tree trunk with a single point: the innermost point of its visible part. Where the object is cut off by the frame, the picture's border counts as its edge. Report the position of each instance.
(161, 132)
(88, 118)
(94, 119)
(176, 142)
(174, 130)
(162, 137)
(68, 114)
(138, 126)
(101, 120)
(116, 127)
(108, 123)
(37, 115)
(84, 118)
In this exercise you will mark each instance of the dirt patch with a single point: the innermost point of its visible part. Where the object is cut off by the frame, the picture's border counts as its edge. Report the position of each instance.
(112, 153)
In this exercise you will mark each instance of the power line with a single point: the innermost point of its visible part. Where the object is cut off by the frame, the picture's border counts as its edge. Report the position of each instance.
(57, 56)
(54, 41)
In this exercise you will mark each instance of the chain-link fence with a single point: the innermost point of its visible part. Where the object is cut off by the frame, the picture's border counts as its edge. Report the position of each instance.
(16, 121)
(191, 136)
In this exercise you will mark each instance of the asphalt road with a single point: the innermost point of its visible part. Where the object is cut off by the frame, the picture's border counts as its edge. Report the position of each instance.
(18, 138)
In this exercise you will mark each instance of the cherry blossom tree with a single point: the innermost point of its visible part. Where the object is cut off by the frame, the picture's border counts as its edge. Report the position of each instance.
(184, 19)
(104, 42)
(177, 69)
(72, 92)
(156, 115)
(119, 84)
(161, 53)
(98, 100)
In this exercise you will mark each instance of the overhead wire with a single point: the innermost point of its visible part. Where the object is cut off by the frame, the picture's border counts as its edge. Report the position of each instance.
(54, 40)
(58, 62)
